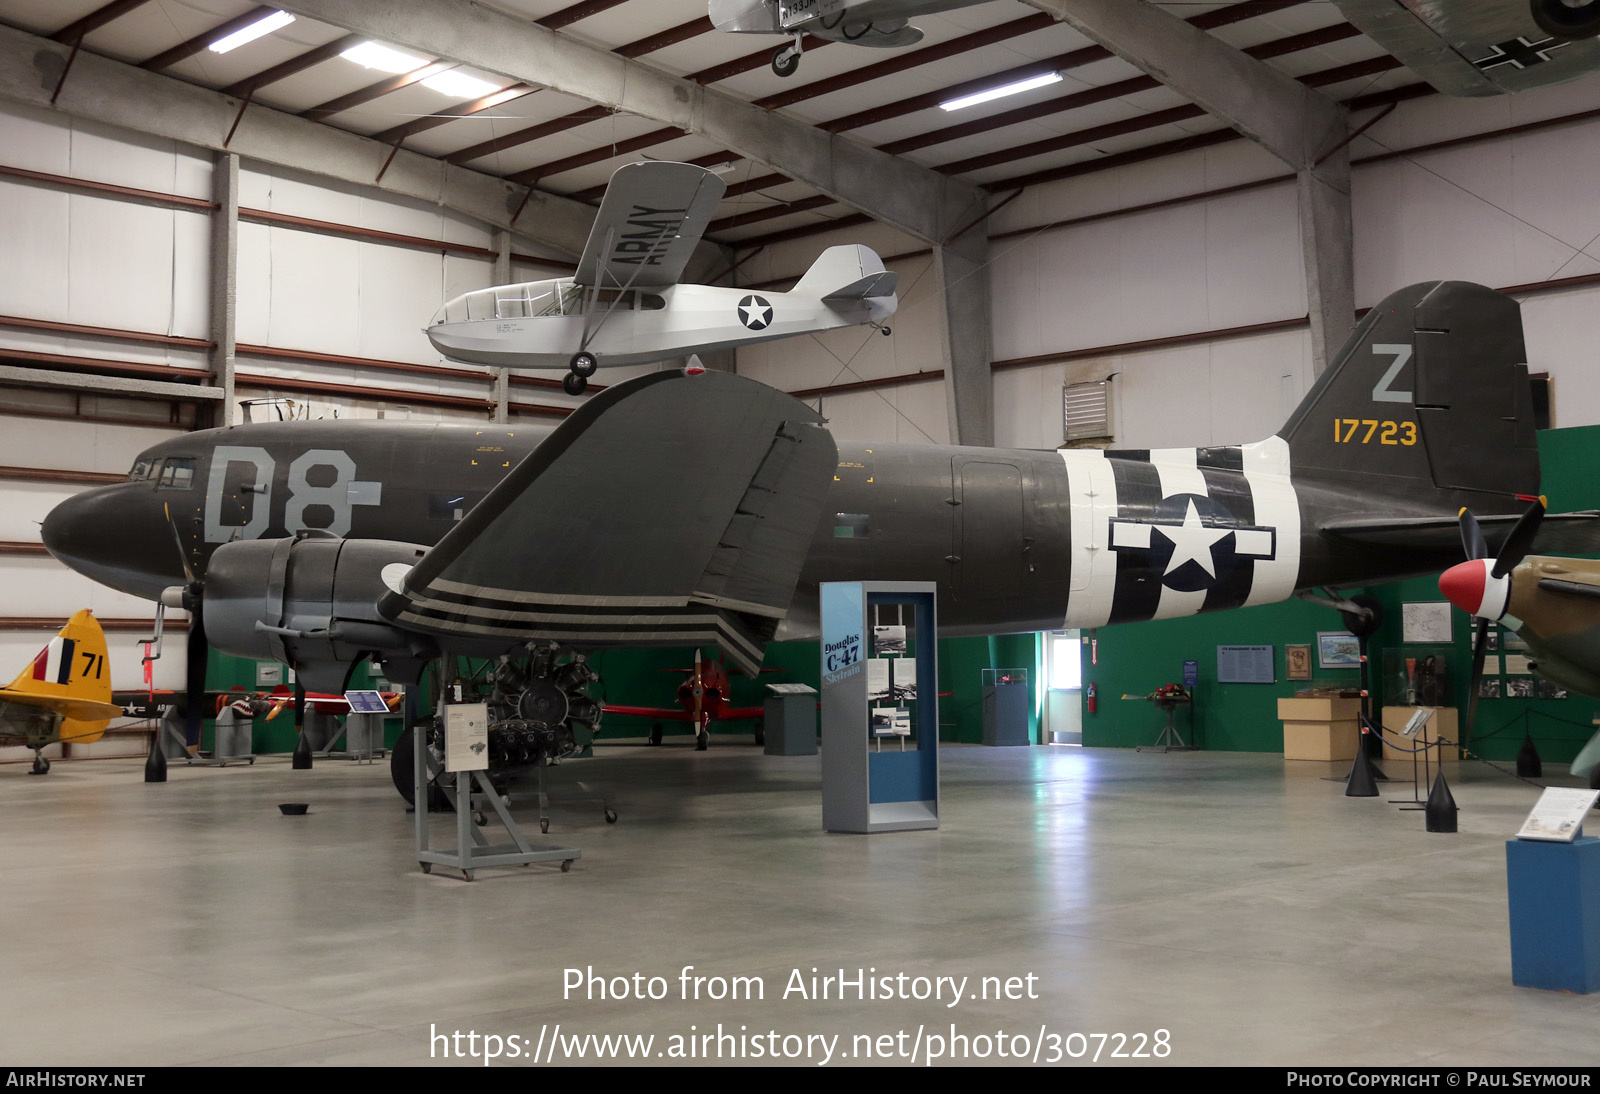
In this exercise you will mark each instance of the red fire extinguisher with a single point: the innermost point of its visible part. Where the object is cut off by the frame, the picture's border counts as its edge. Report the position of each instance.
(1089, 695)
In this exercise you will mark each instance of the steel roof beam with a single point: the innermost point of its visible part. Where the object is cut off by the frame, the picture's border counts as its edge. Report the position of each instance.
(1306, 130)
(153, 104)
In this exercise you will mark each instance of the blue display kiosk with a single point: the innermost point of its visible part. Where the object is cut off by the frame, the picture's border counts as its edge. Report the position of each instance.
(868, 783)
(1554, 893)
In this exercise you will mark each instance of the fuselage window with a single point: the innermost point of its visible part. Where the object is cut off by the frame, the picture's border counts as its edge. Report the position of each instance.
(178, 473)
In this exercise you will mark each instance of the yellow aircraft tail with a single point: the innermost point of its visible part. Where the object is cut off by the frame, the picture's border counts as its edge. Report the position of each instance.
(71, 677)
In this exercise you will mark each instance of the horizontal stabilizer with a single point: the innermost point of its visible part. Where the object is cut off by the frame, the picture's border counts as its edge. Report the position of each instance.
(674, 509)
(650, 221)
(882, 284)
(1561, 533)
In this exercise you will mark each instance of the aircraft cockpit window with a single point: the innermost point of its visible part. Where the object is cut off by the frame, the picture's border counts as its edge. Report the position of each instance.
(142, 470)
(178, 473)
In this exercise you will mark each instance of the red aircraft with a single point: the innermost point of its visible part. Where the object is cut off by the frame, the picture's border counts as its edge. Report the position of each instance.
(702, 699)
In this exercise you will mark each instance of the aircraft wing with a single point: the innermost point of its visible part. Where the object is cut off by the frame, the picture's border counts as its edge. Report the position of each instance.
(1561, 533)
(674, 509)
(85, 710)
(650, 221)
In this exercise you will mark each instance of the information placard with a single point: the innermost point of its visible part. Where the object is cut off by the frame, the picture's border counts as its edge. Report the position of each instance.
(1558, 814)
(1245, 665)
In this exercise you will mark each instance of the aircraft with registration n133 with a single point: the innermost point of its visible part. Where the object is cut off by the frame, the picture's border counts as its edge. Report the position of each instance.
(321, 544)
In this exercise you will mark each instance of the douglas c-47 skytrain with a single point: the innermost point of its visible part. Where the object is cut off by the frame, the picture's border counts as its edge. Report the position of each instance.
(689, 507)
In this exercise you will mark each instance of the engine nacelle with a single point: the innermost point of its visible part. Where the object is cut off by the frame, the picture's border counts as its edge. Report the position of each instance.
(310, 602)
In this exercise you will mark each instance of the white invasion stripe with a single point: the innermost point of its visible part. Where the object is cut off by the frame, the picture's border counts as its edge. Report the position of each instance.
(1176, 470)
(1092, 495)
(1266, 469)
(1128, 534)
(1252, 541)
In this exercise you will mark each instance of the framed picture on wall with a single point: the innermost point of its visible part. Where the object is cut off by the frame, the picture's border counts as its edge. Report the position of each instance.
(1338, 650)
(1297, 661)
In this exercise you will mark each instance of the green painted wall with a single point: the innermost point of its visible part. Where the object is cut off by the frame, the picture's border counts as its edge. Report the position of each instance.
(1137, 658)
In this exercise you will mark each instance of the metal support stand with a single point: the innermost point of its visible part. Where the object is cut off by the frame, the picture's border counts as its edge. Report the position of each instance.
(175, 739)
(472, 848)
(1170, 740)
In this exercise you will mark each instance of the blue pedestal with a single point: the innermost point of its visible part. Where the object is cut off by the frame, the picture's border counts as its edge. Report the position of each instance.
(1554, 893)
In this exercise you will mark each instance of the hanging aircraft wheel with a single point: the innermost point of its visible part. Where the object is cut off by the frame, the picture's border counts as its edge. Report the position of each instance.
(785, 61)
(584, 363)
(655, 734)
(573, 384)
(544, 825)
(611, 816)
(427, 867)
(1569, 20)
(701, 739)
(1365, 623)
(566, 865)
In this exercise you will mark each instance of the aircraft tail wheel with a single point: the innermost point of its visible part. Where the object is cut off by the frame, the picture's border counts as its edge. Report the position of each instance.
(786, 61)
(573, 384)
(584, 364)
(41, 766)
(701, 740)
(611, 816)
(1570, 20)
(885, 331)
(566, 865)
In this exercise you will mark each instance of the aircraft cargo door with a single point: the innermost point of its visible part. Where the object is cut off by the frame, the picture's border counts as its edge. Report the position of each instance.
(993, 540)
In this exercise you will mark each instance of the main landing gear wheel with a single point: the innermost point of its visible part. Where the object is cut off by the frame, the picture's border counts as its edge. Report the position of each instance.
(1363, 624)
(701, 739)
(1569, 20)
(786, 61)
(655, 734)
(573, 384)
(584, 364)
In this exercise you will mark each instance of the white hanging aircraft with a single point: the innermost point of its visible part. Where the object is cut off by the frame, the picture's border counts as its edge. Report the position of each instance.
(880, 23)
(624, 306)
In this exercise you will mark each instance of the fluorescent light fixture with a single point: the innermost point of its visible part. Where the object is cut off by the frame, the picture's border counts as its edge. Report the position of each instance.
(1001, 92)
(383, 58)
(727, 168)
(265, 25)
(458, 85)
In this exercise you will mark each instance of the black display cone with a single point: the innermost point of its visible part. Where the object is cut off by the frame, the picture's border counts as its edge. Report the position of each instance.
(1440, 812)
(1529, 766)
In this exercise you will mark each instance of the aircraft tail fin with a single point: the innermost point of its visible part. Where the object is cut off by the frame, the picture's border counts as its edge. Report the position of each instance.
(1430, 397)
(848, 272)
(71, 677)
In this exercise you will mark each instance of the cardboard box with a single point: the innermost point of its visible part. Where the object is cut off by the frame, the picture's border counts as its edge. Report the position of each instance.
(1443, 724)
(1319, 710)
(1320, 740)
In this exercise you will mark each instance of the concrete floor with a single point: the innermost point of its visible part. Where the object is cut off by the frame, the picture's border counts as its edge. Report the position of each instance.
(1241, 904)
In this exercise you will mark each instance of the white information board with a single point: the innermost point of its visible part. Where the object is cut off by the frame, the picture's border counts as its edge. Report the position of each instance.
(466, 737)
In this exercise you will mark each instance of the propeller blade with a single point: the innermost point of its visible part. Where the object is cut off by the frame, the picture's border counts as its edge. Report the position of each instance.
(1519, 539)
(194, 678)
(1480, 644)
(177, 538)
(1472, 541)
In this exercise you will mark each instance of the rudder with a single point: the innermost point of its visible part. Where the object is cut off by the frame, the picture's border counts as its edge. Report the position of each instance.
(1433, 388)
(72, 675)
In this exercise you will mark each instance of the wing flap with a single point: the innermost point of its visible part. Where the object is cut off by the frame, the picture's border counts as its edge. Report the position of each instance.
(650, 221)
(674, 509)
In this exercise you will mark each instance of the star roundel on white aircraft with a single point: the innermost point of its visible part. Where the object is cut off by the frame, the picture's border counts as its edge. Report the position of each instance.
(1192, 540)
(755, 312)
